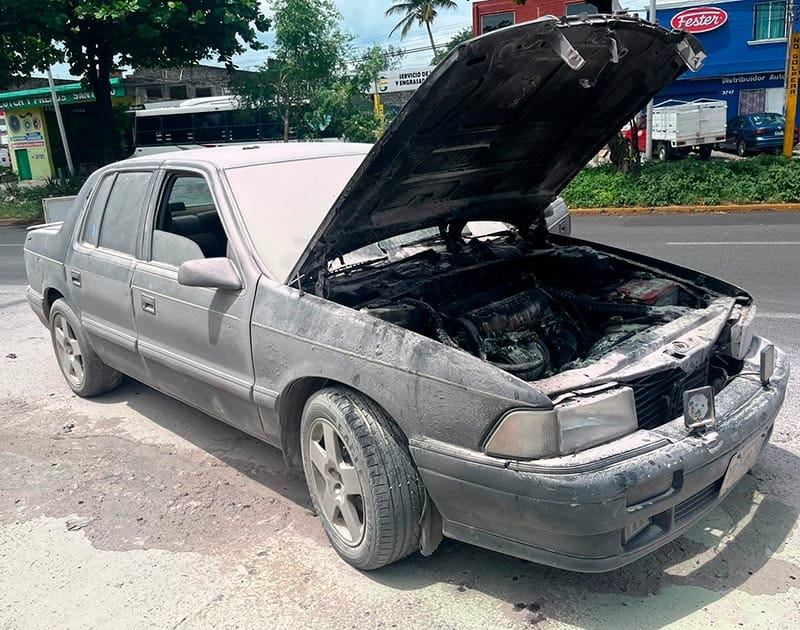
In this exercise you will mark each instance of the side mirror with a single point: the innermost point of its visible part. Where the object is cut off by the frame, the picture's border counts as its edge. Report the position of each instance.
(213, 273)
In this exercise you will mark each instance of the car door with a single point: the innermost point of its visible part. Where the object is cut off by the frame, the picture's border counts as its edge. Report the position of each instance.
(101, 263)
(195, 340)
(733, 133)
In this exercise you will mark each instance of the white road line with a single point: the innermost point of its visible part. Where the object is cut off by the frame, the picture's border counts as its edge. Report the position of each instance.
(732, 243)
(10, 245)
(778, 315)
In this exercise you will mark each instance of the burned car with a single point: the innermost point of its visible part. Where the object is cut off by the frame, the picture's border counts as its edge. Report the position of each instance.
(399, 320)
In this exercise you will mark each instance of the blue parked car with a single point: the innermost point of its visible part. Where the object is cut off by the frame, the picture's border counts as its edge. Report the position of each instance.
(752, 133)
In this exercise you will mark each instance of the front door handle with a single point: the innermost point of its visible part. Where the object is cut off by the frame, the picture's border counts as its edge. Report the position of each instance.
(148, 304)
(75, 276)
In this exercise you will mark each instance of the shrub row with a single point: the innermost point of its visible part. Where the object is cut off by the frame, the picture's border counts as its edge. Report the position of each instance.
(762, 179)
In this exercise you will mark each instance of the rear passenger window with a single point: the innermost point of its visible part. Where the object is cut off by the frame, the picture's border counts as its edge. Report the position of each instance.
(91, 228)
(125, 205)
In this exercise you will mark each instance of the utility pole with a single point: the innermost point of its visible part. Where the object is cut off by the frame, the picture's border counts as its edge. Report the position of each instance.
(60, 120)
(791, 80)
(648, 142)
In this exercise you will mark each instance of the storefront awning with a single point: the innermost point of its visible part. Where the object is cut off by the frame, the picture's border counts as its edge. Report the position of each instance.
(68, 93)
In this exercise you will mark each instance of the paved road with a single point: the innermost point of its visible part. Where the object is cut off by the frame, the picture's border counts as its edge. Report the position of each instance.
(132, 510)
(12, 268)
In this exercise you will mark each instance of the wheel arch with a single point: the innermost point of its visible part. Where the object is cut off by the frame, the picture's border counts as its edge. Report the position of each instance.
(291, 402)
(49, 297)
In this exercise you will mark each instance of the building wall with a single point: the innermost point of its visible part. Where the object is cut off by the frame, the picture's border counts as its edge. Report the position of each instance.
(27, 136)
(485, 10)
(148, 85)
(741, 69)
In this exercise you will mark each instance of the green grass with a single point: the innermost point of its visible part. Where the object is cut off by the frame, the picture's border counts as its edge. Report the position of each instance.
(762, 179)
(24, 203)
(21, 209)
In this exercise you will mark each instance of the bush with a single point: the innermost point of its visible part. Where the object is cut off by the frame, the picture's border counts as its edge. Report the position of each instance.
(762, 179)
(25, 202)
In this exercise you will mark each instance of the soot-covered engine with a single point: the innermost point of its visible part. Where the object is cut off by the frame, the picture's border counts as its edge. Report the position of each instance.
(549, 312)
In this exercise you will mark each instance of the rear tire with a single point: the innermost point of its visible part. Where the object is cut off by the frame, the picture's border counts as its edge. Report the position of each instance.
(363, 484)
(741, 148)
(83, 370)
(663, 152)
(704, 151)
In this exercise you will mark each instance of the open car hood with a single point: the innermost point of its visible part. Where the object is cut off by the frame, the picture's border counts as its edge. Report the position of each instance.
(501, 126)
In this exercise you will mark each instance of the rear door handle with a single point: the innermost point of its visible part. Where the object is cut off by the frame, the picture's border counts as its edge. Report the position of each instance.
(148, 304)
(76, 277)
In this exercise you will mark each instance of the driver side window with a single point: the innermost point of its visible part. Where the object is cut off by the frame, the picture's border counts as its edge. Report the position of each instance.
(187, 224)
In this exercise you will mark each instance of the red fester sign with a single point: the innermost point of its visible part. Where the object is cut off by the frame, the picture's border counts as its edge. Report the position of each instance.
(699, 19)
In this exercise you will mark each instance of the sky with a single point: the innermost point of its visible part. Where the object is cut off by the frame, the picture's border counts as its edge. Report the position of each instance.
(366, 22)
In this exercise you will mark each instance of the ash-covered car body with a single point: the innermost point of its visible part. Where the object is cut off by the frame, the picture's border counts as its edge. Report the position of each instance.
(504, 385)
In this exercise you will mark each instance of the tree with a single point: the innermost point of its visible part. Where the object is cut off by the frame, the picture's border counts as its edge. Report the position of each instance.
(464, 35)
(97, 37)
(21, 48)
(309, 56)
(421, 12)
(345, 108)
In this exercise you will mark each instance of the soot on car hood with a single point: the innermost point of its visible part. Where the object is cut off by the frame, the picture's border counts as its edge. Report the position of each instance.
(501, 126)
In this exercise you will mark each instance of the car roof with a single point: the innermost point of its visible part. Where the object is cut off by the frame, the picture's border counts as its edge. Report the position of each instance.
(233, 156)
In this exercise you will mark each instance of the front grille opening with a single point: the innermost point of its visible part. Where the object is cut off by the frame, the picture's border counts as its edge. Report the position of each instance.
(659, 396)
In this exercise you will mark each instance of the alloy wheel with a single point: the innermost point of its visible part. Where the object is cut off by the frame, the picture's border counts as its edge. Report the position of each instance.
(68, 350)
(336, 483)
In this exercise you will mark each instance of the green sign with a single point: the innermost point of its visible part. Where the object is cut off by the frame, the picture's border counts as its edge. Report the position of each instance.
(67, 94)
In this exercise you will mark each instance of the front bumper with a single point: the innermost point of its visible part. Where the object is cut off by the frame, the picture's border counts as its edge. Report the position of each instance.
(612, 504)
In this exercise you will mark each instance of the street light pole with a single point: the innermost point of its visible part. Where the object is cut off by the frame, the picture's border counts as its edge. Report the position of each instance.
(60, 120)
(791, 78)
(648, 143)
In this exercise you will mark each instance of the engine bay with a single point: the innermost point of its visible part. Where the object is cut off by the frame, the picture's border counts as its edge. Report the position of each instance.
(531, 310)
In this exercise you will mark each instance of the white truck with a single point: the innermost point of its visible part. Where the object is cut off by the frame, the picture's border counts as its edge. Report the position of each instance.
(682, 126)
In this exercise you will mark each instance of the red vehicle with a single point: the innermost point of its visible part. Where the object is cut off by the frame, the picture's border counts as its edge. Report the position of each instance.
(641, 133)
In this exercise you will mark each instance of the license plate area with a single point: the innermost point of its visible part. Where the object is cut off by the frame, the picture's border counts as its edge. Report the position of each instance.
(741, 462)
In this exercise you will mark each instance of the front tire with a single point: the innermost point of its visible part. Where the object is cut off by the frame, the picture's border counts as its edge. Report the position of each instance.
(363, 484)
(83, 370)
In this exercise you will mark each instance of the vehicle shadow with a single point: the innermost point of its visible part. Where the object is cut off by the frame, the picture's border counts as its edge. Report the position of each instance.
(244, 453)
(732, 548)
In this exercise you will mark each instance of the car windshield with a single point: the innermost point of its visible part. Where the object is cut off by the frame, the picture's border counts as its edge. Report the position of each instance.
(283, 204)
(767, 119)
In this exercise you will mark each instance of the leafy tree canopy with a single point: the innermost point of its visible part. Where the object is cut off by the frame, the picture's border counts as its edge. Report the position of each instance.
(419, 12)
(308, 57)
(97, 37)
(21, 48)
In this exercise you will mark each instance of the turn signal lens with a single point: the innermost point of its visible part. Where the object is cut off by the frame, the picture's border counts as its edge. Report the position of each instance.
(577, 424)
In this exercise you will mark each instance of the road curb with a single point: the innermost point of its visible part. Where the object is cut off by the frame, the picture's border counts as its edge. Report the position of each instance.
(730, 208)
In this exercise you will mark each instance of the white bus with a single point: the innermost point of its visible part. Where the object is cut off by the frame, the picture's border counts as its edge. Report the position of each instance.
(201, 122)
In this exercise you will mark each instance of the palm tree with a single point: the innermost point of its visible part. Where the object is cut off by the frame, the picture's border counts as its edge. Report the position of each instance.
(419, 11)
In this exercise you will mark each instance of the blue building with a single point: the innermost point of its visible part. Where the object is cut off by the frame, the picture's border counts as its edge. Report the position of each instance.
(746, 46)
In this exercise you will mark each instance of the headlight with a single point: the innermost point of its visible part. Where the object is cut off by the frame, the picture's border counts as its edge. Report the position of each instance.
(577, 424)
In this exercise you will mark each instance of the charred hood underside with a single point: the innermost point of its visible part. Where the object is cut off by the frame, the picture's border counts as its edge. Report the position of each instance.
(501, 126)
